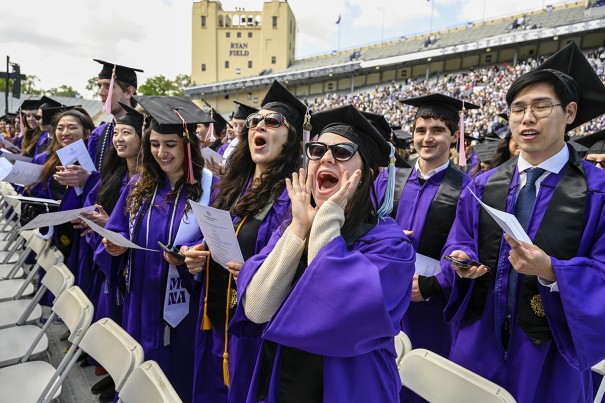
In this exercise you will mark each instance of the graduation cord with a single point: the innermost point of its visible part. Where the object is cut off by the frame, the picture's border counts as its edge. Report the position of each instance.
(105, 141)
(206, 320)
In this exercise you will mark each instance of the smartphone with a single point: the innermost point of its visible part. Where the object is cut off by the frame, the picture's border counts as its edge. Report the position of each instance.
(171, 251)
(463, 264)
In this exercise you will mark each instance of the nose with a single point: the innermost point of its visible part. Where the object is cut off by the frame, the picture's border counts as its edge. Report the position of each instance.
(528, 115)
(328, 158)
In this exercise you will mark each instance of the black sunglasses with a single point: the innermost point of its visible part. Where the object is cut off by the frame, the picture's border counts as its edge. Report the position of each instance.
(272, 120)
(341, 151)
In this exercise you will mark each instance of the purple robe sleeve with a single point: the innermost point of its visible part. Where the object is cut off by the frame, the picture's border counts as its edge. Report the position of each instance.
(349, 302)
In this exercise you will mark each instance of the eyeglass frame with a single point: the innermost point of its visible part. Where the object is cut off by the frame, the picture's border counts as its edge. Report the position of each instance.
(531, 108)
(330, 147)
(284, 121)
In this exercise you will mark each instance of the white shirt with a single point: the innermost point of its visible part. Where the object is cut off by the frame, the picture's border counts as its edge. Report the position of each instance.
(432, 172)
(230, 148)
(552, 165)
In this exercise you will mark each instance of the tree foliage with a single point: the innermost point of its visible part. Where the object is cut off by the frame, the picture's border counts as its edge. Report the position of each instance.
(160, 85)
(64, 91)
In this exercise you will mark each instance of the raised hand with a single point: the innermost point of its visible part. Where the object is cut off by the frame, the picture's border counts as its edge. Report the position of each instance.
(347, 188)
(303, 213)
(73, 175)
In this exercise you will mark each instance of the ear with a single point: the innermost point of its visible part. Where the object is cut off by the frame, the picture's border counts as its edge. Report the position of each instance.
(455, 136)
(571, 110)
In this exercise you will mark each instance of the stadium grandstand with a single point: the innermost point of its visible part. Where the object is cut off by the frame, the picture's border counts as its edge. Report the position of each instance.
(476, 61)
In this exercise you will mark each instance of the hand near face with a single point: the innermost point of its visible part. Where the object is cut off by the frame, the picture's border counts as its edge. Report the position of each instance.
(303, 213)
(347, 188)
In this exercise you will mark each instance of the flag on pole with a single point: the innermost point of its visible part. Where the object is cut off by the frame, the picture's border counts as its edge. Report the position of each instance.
(338, 20)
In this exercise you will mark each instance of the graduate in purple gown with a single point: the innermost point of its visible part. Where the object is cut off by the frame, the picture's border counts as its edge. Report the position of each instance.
(329, 291)
(160, 302)
(30, 121)
(116, 84)
(595, 143)
(531, 317)
(253, 189)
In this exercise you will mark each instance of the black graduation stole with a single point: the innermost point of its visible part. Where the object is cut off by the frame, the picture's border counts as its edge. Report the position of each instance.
(301, 373)
(441, 213)
(558, 235)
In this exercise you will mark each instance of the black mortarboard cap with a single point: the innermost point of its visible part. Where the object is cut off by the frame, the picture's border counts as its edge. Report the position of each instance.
(242, 111)
(219, 122)
(580, 149)
(8, 117)
(30, 104)
(380, 123)
(164, 120)
(279, 99)
(46, 102)
(132, 118)
(348, 122)
(503, 116)
(595, 142)
(572, 68)
(123, 73)
(486, 150)
(49, 113)
(439, 104)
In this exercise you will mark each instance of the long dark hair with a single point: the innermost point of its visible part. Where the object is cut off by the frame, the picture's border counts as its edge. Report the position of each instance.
(502, 151)
(30, 137)
(114, 168)
(84, 119)
(151, 174)
(240, 169)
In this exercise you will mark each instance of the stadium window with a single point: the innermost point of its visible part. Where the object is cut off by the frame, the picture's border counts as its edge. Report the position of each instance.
(249, 64)
(239, 34)
(203, 21)
(488, 58)
(404, 73)
(330, 86)
(228, 34)
(226, 64)
(227, 96)
(238, 71)
(203, 67)
(274, 21)
(249, 34)
(249, 96)
(273, 59)
(220, 21)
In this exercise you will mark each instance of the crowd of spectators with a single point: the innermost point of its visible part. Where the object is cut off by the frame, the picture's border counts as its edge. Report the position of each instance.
(482, 86)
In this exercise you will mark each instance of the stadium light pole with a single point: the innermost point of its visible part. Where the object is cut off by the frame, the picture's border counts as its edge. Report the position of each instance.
(432, 9)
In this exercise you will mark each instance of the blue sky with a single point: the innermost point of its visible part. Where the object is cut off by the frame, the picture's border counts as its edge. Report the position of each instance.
(57, 40)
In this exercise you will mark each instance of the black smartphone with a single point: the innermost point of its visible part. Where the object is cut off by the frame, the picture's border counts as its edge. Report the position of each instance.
(463, 264)
(171, 251)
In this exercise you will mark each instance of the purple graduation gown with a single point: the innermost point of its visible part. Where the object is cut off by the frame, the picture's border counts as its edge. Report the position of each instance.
(557, 370)
(102, 133)
(144, 304)
(209, 385)
(346, 307)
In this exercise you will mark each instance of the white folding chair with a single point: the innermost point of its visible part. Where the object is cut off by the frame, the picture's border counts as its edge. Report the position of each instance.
(21, 312)
(148, 384)
(113, 348)
(600, 369)
(438, 379)
(31, 381)
(18, 288)
(403, 345)
(33, 242)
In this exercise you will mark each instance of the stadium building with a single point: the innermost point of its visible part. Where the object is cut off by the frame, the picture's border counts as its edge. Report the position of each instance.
(237, 54)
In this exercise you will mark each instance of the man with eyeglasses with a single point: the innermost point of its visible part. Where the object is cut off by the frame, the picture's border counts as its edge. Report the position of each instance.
(531, 317)
(596, 148)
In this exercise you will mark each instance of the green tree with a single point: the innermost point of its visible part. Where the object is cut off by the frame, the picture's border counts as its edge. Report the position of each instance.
(160, 85)
(182, 81)
(63, 91)
(91, 86)
(30, 86)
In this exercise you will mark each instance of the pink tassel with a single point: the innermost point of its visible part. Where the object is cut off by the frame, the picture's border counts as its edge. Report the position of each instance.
(461, 147)
(187, 161)
(107, 106)
(210, 136)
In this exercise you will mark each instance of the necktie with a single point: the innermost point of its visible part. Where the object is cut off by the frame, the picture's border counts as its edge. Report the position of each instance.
(523, 209)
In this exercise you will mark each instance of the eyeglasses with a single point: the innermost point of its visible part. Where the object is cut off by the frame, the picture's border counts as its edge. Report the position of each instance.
(540, 110)
(341, 151)
(272, 120)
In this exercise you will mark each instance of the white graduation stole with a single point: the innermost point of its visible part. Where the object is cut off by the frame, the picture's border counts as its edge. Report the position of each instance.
(176, 299)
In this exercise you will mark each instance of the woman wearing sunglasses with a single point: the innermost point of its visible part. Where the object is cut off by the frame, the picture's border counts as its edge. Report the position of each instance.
(253, 190)
(330, 289)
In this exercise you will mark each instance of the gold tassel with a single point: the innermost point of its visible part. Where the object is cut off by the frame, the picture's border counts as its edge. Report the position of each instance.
(226, 352)
(206, 325)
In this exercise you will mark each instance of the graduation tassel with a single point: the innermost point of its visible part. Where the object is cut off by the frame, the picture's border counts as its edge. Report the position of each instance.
(108, 100)
(206, 325)
(306, 132)
(387, 204)
(187, 162)
(210, 136)
(21, 123)
(226, 351)
(461, 148)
